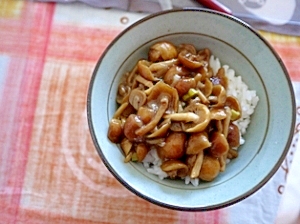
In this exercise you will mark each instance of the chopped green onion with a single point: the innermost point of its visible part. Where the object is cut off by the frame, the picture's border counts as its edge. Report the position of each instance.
(191, 93)
(234, 114)
(134, 157)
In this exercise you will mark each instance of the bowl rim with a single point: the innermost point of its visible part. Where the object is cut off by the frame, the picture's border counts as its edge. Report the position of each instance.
(237, 198)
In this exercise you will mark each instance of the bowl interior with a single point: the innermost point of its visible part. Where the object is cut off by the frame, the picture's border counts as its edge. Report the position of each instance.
(236, 45)
(230, 54)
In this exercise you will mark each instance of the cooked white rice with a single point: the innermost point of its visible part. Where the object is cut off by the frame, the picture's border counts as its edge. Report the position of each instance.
(237, 88)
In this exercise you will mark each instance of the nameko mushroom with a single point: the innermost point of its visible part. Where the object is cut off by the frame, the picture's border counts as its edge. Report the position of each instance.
(175, 103)
(163, 99)
(162, 51)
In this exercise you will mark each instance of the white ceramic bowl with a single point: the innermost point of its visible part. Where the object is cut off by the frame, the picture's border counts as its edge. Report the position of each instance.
(235, 43)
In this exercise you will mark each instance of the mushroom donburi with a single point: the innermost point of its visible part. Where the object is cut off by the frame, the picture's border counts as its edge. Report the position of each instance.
(173, 103)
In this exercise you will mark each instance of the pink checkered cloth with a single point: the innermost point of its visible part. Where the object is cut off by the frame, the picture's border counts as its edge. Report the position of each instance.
(50, 171)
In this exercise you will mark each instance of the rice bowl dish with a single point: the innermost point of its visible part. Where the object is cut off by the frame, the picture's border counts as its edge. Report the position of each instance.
(182, 140)
(255, 71)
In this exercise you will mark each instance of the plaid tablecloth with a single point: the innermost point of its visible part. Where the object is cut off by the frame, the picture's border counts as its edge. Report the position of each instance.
(50, 171)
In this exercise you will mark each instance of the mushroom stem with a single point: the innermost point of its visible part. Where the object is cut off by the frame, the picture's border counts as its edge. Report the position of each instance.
(158, 69)
(148, 91)
(144, 81)
(197, 166)
(128, 157)
(219, 92)
(232, 153)
(164, 102)
(144, 70)
(226, 121)
(131, 75)
(186, 117)
(120, 110)
(161, 131)
(217, 113)
(222, 161)
(126, 146)
(202, 97)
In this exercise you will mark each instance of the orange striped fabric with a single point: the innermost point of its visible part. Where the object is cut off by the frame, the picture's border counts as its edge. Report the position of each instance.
(288, 49)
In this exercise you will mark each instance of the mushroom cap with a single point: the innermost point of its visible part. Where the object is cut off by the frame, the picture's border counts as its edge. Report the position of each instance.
(191, 61)
(132, 124)
(197, 142)
(162, 51)
(174, 147)
(137, 98)
(234, 104)
(218, 95)
(175, 168)
(145, 114)
(173, 72)
(204, 54)
(170, 165)
(115, 130)
(233, 136)
(183, 85)
(144, 70)
(220, 78)
(219, 144)
(123, 92)
(210, 168)
(187, 48)
(141, 150)
(162, 106)
(207, 87)
(204, 117)
(159, 90)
